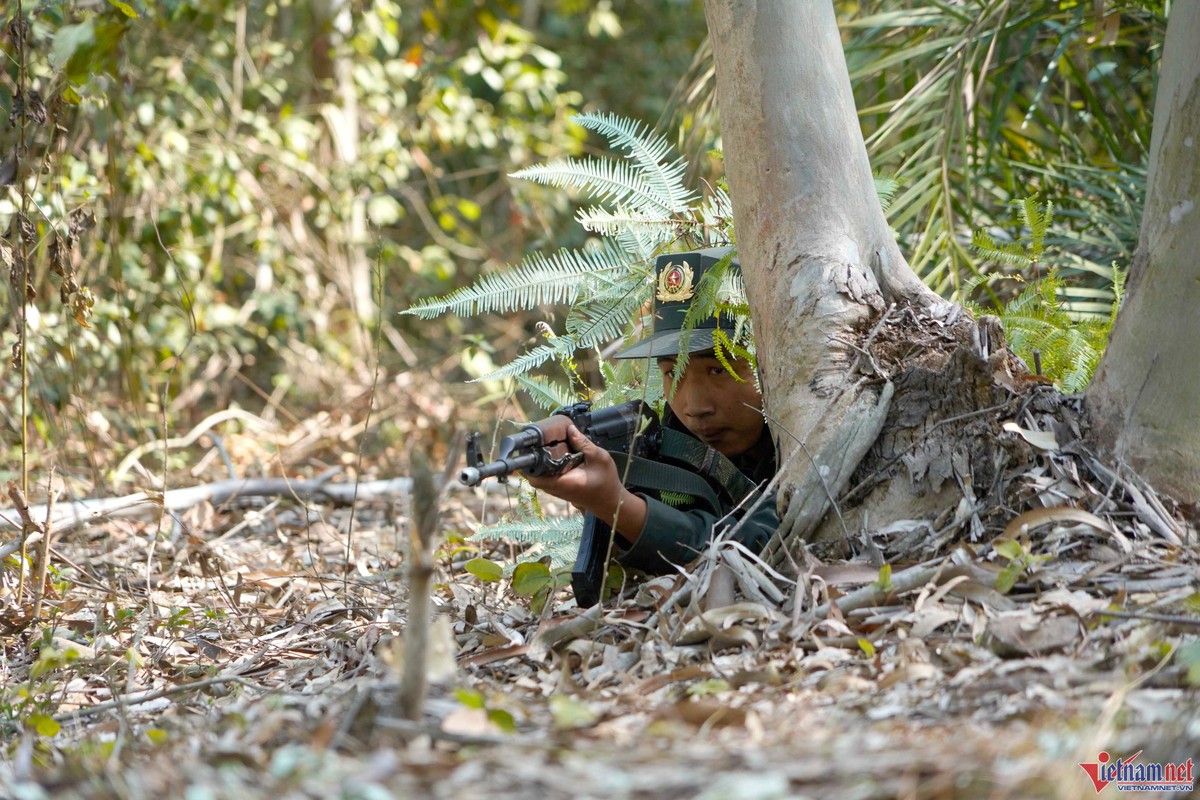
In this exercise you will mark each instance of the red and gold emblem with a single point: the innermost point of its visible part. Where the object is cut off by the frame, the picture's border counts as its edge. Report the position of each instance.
(675, 283)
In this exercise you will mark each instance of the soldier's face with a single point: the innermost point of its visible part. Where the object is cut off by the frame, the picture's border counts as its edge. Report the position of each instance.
(719, 410)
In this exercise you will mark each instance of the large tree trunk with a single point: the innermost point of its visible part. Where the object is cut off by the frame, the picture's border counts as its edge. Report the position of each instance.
(1145, 399)
(826, 280)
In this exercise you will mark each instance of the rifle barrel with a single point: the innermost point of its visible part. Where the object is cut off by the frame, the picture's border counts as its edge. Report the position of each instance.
(473, 476)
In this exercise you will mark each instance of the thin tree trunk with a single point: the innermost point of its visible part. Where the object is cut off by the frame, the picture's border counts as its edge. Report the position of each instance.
(1145, 398)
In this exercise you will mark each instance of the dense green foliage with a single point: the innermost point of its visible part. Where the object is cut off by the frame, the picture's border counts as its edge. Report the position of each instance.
(231, 193)
(1054, 344)
(975, 106)
(265, 183)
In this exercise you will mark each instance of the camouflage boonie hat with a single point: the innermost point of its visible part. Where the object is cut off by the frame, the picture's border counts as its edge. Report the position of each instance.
(678, 276)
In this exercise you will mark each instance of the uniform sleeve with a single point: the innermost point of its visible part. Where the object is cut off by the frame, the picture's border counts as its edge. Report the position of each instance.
(676, 535)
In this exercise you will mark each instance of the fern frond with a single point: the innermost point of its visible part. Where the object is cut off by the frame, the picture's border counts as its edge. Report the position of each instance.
(968, 286)
(603, 179)
(537, 280)
(562, 554)
(1010, 253)
(545, 393)
(658, 229)
(607, 316)
(1038, 219)
(1118, 287)
(649, 152)
(885, 189)
(629, 379)
(550, 531)
(716, 216)
(721, 347)
(676, 499)
(718, 283)
(560, 347)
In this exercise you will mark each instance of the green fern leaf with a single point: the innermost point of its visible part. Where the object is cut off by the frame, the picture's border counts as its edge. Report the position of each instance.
(603, 179)
(1038, 220)
(968, 286)
(560, 347)
(653, 230)
(1118, 287)
(549, 531)
(676, 499)
(607, 316)
(537, 280)
(1010, 253)
(649, 152)
(722, 348)
(716, 218)
(545, 393)
(557, 537)
(885, 189)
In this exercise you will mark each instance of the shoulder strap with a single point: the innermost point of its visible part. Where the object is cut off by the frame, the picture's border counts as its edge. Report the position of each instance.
(662, 477)
(708, 462)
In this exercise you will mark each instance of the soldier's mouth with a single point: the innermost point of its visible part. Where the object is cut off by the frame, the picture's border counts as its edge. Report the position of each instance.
(710, 435)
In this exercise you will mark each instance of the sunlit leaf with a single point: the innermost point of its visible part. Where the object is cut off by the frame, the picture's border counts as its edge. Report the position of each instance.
(531, 577)
(484, 569)
(570, 713)
(124, 8)
(44, 725)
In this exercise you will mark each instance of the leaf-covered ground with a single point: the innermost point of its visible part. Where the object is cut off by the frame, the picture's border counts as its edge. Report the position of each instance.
(253, 649)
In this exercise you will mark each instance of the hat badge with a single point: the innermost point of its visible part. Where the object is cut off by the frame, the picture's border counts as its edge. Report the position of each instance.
(675, 283)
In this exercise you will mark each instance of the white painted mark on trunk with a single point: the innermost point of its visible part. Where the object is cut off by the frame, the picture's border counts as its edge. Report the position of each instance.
(1180, 210)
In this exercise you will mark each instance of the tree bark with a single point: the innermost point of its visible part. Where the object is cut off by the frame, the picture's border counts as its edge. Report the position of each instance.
(820, 263)
(1144, 401)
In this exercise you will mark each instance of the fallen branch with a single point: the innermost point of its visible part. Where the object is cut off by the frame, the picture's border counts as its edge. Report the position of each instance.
(905, 581)
(131, 700)
(82, 511)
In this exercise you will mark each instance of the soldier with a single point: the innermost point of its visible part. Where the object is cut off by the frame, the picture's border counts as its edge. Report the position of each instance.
(705, 401)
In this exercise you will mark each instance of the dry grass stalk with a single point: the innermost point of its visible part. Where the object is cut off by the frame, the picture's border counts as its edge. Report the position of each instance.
(414, 675)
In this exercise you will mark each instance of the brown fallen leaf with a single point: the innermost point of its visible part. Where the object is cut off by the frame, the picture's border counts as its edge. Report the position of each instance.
(494, 655)
(705, 626)
(702, 711)
(1024, 633)
(1026, 522)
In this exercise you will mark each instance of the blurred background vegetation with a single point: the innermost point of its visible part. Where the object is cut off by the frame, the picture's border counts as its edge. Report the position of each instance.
(228, 201)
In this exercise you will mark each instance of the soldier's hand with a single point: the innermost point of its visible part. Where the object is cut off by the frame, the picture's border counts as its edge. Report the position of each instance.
(591, 486)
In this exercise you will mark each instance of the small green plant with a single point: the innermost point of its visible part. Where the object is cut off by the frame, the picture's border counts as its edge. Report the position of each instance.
(1052, 341)
(499, 717)
(1020, 561)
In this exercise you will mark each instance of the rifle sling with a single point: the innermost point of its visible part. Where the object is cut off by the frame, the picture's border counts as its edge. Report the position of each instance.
(705, 469)
(648, 474)
(708, 462)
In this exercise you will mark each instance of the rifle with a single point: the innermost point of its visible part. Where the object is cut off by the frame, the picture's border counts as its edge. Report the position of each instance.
(629, 428)
(616, 429)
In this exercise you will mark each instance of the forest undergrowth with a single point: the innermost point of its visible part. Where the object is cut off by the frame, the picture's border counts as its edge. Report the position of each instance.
(252, 647)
